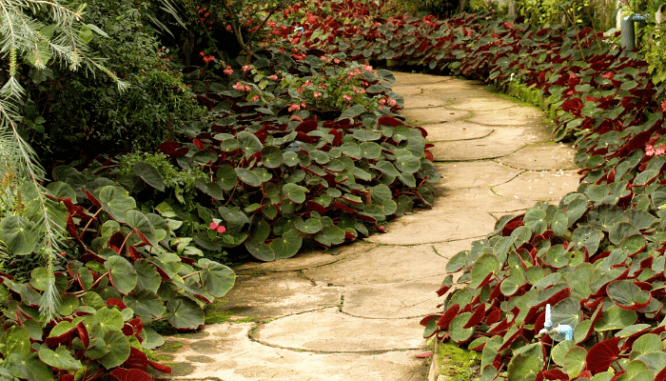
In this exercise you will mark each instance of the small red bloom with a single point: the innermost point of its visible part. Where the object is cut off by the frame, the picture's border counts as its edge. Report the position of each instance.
(219, 228)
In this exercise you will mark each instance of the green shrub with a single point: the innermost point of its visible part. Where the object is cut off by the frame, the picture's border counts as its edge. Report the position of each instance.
(70, 115)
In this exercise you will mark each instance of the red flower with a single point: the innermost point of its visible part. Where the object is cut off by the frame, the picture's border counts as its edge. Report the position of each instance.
(663, 106)
(219, 228)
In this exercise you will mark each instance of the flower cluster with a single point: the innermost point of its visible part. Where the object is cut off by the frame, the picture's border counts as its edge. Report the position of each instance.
(242, 87)
(228, 70)
(389, 101)
(663, 106)
(651, 150)
(296, 107)
(205, 58)
(217, 227)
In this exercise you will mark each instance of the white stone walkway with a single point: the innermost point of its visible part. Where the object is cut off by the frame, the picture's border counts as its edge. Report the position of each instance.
(355, 316)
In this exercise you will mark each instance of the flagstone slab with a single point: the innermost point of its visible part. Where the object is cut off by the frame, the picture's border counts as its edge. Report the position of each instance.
(548, 186)
(383, 264)
(542, 157)
(302, 260)
(393, 301)
(329, 330)
(417, 79)
(237, 358)
(501, 142)
(274, 295)
(423, 101)
(483, 104)
(473, 174)
(458, 214)
(456, 90)
(514, 116)
(456, 130)
(433, 115)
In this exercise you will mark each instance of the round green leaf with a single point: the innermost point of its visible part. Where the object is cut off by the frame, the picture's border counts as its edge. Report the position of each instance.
(145, 304)
(61, 358)
(226, 177)
(216, 278)
(628, 296)
(560, 350)
(457, 262)
(148, 278)
(371, 150)
(116, 202)
(248, 177)
(18, 235)
(646, 343)
(249, 143)
(351, 150)
(407, 163)
(615, 318)
(287, 245)
(59, 189)
(535, 219)
(456, 330)
(15, 340)
(574, 361)
(149, 174)
(271, 156)
(524, 367)
(621, 231)
(484, 265)
(184, 313)
(366, 135)
(295, 193)
(309, 226)
(331, 235)
(121, 273)
(320, 157)
(118, 349)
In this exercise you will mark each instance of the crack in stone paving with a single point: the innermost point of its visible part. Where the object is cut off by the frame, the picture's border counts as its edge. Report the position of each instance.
(355, 316)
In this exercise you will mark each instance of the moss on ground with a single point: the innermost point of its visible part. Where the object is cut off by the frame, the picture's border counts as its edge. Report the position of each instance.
(171, 346)
(458, 364)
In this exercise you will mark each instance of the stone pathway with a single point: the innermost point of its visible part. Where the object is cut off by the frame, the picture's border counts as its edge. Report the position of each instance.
(355, 316)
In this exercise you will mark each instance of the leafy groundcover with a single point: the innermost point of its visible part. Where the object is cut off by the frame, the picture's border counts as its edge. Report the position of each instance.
(597, 257)
(299, 149)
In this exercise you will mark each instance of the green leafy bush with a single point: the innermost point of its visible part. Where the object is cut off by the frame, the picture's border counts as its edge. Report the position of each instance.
(69, 110)
(122, 270)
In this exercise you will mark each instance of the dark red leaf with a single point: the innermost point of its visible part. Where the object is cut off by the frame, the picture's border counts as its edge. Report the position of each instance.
(136, 360)
(555, 374)
(494, 315)
(307, 126)
(477, 316)
(199, 144)
(448, 316)
(389, 121)
(169, 147)
(601, 355)
(159, 367)
(83, 334)
(92, 199)
(132, 375)
(116, 302)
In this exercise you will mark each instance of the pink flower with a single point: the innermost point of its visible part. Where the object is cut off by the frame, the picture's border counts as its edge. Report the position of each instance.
(336, 60)
(273, 77)
(382, 101)
(246, 68)
(317, 94)
(228, 70)
(217, 227)
(660, 150)
(367, 68)
(392, 102)
(247, 88)
(294, 107)
(649, 150)
(347, 98)
(303, 105)
(256, 98)
(311, 17)
(228, 28)
(663, 106)
(239, 86)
